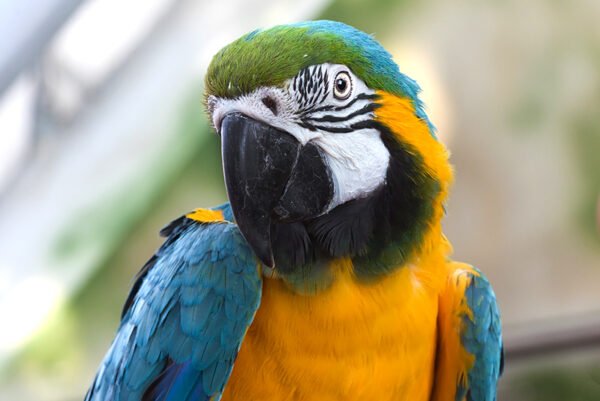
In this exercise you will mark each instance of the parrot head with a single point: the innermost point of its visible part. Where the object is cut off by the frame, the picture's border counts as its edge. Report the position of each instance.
(327, 151)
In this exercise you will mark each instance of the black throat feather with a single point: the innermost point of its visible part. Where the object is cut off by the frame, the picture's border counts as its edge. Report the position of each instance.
(379, 232)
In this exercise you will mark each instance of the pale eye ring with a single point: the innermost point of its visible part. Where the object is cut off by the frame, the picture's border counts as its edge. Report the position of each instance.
(342, 85)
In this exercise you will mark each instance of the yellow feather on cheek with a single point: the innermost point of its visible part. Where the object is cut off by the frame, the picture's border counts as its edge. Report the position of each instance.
(398, 114)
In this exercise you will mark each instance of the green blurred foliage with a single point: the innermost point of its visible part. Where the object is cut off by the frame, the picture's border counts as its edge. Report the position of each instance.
(585, 140)
(579, 384)
(580, 126)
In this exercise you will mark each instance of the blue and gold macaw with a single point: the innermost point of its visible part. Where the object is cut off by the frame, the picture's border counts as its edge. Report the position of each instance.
(327, 275)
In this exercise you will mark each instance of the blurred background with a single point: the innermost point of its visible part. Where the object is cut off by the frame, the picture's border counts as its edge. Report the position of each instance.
(103, 140)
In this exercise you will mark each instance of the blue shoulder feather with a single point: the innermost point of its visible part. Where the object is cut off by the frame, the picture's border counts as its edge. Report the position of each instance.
(185, 318)
(481, 336)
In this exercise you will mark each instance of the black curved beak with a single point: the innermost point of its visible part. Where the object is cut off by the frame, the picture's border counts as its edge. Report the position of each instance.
(270, 176)
(257, 163)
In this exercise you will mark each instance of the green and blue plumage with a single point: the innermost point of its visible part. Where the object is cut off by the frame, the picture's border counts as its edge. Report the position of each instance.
(270, 57)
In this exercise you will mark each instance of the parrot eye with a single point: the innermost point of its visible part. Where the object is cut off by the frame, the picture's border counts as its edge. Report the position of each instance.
(342, 86)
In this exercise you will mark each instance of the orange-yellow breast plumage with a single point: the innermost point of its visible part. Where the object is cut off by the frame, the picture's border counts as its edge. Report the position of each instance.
(353, 341)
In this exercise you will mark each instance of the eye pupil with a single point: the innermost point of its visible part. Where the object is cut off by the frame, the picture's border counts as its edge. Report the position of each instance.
(341, 85)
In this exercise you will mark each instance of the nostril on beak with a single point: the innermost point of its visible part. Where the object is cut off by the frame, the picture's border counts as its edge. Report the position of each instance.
(281, 212)
(270, 104)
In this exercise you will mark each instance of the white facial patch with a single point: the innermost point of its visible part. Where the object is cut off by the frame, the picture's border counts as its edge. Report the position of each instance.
(358, 163)
(310, 108)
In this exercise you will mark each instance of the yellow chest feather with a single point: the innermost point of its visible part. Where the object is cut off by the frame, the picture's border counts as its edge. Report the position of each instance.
(354, 341)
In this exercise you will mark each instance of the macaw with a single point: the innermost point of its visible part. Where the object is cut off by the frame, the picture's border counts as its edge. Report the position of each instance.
(327, 275)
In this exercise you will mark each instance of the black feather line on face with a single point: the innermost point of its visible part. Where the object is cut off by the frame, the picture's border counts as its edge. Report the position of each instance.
(315, 110)
(368, 108)
(339, 130)
(360, 96)
(326, 85)
(306, 112)
(311, 87)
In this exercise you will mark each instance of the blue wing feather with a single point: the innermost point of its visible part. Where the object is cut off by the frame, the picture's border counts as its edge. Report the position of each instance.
(482, 337)
(185, 317)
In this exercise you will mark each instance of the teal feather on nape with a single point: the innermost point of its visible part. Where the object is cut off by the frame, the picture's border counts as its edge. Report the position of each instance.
(271, 56)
